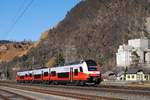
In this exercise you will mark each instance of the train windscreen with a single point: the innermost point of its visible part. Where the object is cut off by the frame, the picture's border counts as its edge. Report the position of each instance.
(92, 66)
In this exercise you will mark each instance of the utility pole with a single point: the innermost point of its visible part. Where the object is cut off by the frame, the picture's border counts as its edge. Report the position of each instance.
(58, 58)
(6, 73)
(32, 61)
(142, 31)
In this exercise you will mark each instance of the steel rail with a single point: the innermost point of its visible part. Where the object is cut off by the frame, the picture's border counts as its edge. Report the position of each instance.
(59, 93)
(14, 94)
(117, 89)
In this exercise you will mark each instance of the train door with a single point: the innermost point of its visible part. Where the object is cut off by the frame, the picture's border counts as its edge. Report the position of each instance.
(75, 74)
(49, 74)
(32, 77)
(71, 74)
(42, 75)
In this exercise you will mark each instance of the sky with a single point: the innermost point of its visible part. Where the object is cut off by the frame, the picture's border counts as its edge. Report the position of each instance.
(39, 16)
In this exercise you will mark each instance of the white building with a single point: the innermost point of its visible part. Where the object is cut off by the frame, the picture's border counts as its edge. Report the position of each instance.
(123, 55)
(139, 43)
(137, 75)
(136, 51)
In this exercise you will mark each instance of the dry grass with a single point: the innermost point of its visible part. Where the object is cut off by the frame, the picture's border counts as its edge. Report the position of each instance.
(43, 36)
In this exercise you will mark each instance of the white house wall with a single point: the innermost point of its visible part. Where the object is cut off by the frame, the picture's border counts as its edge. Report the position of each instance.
(147, 57)
(138, 43)
(141, 55)
(131, 79)
(123, 58)
(139, 76)
(140, 46)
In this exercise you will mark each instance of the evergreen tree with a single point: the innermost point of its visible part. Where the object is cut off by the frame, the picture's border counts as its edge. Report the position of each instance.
(60, 60)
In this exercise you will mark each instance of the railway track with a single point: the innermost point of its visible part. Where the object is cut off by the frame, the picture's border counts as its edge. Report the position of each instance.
(116, 89)
(7, 95)
(112, 89)
(58, 93)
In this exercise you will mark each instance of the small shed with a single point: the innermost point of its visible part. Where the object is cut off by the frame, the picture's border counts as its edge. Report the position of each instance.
(137, 75)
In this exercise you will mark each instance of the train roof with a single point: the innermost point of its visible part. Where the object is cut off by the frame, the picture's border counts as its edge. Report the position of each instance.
(73, 63)
(67, 64)
(23, 70)
(40, 68)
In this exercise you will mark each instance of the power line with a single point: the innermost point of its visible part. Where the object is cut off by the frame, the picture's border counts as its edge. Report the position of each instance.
(19, 10)
(18, 18)
(15, 17)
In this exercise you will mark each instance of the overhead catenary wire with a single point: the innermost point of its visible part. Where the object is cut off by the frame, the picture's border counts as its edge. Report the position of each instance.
(19, 17)
(15, 17)
(18, 11)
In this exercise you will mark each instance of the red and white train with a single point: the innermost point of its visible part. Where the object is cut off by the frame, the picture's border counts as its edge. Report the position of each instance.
(85, 72)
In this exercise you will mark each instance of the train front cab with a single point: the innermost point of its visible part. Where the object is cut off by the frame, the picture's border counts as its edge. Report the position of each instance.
(93, 73)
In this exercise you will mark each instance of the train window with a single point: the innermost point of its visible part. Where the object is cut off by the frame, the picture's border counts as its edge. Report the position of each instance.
(63, 75)
(75, 72)
(53, 73)
(91, 63)
(30, 75)
(92, 68)
(81, 69)
(21, 77)
(37, 76)
(45, 73)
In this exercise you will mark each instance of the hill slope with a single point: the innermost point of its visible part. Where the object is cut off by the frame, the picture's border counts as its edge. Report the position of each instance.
(93, 29)
(9, 50)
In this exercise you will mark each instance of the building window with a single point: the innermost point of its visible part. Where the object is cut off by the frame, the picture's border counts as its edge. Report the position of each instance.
(146, 77)
(132, 76)
(128, 76)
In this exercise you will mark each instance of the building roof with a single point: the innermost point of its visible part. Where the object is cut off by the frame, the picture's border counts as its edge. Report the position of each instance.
(109, 73)
(146, 71)
(133, 71)
(120, 73)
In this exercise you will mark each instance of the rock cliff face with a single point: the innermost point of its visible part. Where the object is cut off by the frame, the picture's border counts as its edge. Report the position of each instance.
(93, 29)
